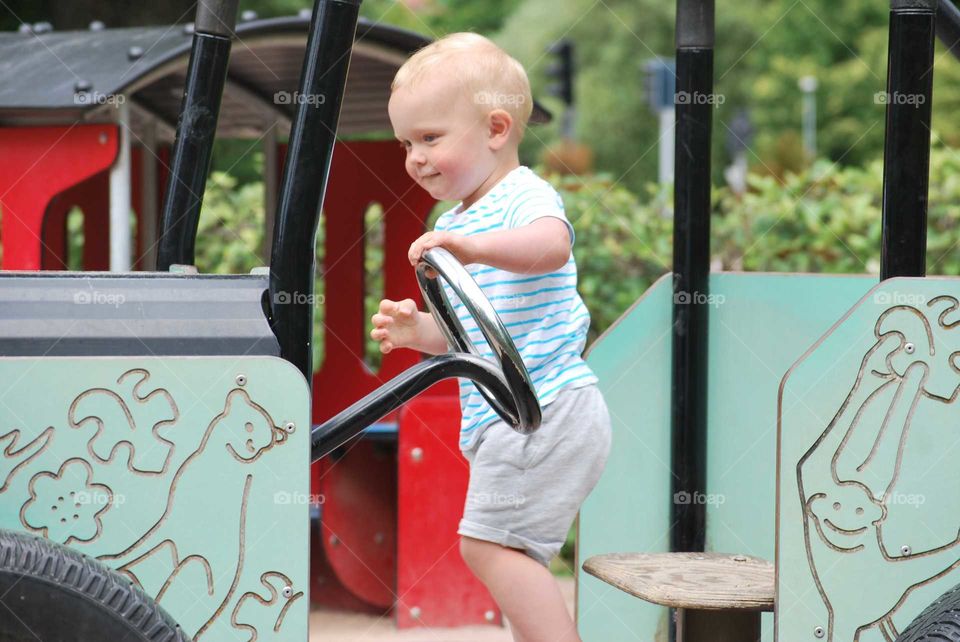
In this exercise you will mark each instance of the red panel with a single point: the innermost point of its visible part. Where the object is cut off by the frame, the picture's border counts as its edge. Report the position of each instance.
(361, 173)
(432, 487)
(360, 518)
(37, 163)
(93, 197)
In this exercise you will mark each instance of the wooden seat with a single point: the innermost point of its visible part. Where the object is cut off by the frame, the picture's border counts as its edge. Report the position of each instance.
(718, 597)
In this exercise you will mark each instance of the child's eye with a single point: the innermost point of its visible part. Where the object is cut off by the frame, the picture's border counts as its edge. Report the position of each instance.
(429, 138)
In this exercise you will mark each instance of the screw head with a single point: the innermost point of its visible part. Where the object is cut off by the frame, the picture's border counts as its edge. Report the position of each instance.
(24, 28)
(415, 612)
(906, 550)
(416, 454)
(134, 52)
(287, 591)
(334, 540)
(97, 25)
(102, 138)
(818, 632)
(909, 348)
(739, 558)
(289, 427)
(488, 616)
(241, 380)
(188, 28)
(82, 86)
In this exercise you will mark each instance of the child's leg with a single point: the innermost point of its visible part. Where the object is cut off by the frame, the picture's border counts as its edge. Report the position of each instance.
(525, 590)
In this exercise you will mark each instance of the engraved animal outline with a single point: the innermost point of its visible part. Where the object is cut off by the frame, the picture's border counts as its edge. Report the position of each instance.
(274, 596)
(217, 454)
(880, 369)
(76, 423)
(33, 449)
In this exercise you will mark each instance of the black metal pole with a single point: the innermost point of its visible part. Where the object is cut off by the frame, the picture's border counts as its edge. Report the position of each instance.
(906, 148)
(691, 268)
(310, 150)
(196, 129)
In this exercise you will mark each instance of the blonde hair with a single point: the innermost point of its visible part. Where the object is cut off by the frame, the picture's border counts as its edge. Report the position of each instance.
(483, 71)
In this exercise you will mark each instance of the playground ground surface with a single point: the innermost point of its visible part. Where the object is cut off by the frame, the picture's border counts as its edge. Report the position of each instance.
(337, 626)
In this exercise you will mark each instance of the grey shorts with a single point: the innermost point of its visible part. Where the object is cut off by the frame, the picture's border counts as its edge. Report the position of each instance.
(525, 491)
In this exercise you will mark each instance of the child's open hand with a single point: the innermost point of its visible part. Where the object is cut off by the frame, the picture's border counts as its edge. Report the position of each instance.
(396, 325)
(459, 245)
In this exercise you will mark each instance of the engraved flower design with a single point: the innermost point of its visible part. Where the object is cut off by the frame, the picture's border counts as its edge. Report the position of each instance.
(65, 506)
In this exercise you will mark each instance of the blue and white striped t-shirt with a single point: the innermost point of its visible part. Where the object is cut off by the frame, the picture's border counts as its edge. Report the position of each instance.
(543, 313)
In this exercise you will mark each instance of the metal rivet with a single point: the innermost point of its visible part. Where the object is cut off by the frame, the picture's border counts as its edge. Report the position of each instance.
(82, 86)
(909, 348)
(25, 28)
(739, 558)
(241, 380)
(416, 454)
(134, 52)
(103, 138)
(415, 612)
(488, 616)
(289, 427)
(42, 27)
(287, 591)
(188, 28)
(334, 540)
(906, 550)
(818, 632)
(97, 25)
(248, 15)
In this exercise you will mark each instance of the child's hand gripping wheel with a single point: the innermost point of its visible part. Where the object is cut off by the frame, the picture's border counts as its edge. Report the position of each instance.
(522, 409)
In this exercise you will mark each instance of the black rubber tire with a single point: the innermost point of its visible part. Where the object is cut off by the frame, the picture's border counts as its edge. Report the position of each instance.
(52, 593)
(939, 622)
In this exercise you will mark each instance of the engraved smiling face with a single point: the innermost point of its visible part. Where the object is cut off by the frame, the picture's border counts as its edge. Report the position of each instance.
(846, 513)
(249, 430)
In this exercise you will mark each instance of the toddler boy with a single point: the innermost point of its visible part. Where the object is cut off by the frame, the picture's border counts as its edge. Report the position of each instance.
(459, 107)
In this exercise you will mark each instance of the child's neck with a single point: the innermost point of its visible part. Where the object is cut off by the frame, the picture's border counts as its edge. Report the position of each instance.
(497, 175)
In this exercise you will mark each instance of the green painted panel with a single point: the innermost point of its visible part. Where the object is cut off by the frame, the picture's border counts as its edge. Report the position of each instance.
(868, 503)
(759, 325)
(189, 475)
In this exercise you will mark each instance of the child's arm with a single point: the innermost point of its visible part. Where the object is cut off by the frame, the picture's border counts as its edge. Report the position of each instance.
(400, 325)
(537, 248)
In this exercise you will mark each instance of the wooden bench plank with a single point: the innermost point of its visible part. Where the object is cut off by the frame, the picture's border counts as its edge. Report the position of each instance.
(703, 581)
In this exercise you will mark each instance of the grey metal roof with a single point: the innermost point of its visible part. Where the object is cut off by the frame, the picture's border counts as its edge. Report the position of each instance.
(41, 73)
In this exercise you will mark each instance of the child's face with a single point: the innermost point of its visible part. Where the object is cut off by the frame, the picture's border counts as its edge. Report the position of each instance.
(450, 150)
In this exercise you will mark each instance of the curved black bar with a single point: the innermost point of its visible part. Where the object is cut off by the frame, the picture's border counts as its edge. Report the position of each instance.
(948, 26)
(196, 129)
(312, 136)
(350, 422)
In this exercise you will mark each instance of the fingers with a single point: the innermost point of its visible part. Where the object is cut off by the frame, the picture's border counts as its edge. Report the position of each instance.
(424, 243)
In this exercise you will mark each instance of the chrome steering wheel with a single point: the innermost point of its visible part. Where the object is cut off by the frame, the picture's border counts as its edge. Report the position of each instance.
(522, 410)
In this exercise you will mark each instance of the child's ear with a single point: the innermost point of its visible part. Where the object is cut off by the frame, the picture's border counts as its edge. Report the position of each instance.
(500, 126)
